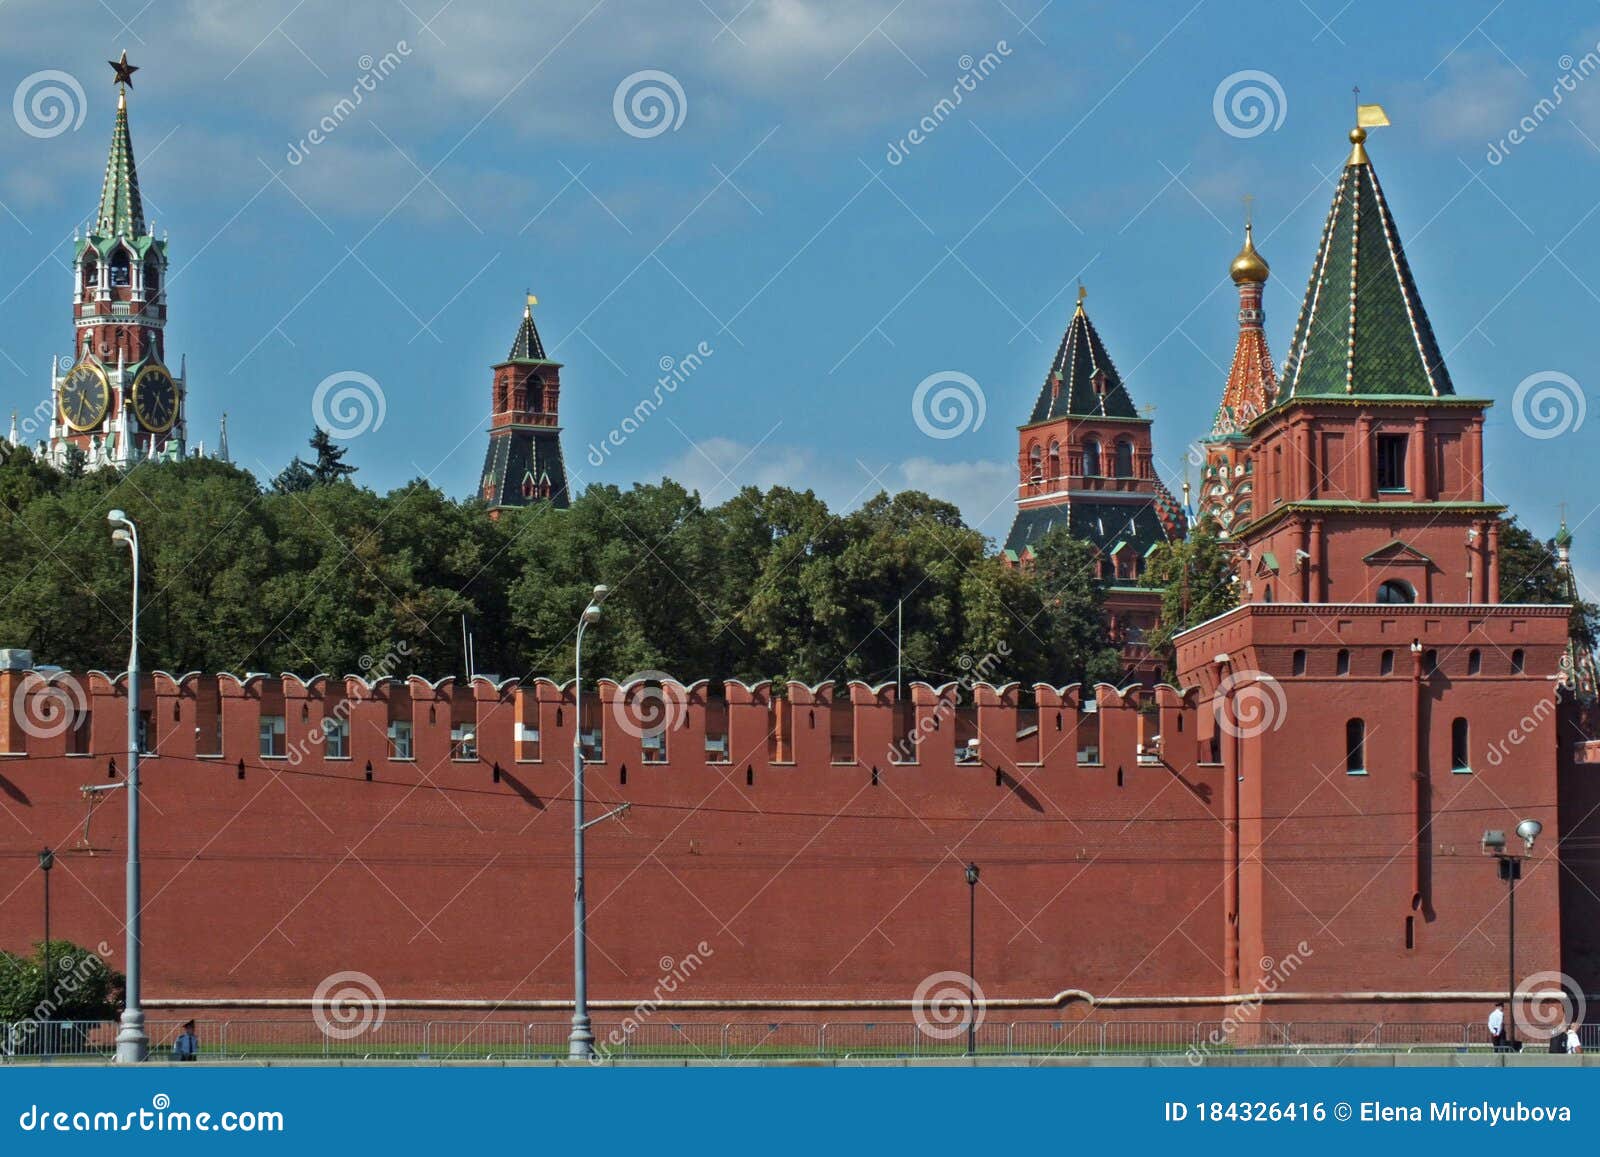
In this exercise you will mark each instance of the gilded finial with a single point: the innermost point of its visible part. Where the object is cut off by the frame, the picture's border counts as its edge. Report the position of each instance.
(1249, 265)
(527, 310)
(1082, 293)
(1367, 116)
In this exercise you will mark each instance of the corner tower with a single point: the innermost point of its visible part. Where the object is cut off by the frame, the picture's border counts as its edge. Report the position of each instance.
(1368, 472)
(116, 401)
(524, 463)
(1360, 697)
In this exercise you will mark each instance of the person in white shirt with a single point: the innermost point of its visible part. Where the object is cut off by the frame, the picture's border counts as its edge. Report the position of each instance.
(1497, 1027)
(1574, 1044)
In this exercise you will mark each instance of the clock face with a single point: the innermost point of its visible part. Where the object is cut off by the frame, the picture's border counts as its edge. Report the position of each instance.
(84, 396)
(155, 399)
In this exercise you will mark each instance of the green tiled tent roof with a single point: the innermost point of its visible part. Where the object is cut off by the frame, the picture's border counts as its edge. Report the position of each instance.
(1080, 357)
(1362, 328)
(1102, 523)
(527, 347)
(121, 211)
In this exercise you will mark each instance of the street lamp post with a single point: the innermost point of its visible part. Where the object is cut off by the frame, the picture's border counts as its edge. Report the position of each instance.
(580, 1044)
(47, 860)
(133, 1045)
(1494, 844)
(972, 958)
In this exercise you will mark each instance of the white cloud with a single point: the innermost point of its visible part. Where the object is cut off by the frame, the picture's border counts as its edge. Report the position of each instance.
(985, 492)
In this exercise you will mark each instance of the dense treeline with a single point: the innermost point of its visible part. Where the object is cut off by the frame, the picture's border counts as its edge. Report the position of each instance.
(315, 573)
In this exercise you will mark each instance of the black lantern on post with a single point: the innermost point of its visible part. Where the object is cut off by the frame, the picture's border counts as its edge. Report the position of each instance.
(972, 958)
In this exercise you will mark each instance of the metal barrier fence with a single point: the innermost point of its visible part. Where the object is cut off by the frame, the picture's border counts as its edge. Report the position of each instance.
(745, 1040)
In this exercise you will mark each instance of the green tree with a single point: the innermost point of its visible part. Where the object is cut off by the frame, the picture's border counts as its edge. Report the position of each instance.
(1197, 581)
(330, 466)
(1530, 572)
(1072, 601)
(79, 986)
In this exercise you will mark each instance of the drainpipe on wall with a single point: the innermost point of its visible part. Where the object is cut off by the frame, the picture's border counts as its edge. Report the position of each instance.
(1227, 722)
(1419, 778)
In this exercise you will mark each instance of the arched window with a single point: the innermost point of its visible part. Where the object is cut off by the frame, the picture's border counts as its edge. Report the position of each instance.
(535, 388)
(1035, 470)
(1355, 747)
(91, 273)
(1124, 464)
(1386, 663)
(1299, 663)
(1516, 661)
(1396, 591)
(1344, 663)
(152, 279)
(1091, 457)
(1459, 743)
(1474, 661)
(120, 268)
(1055, 459)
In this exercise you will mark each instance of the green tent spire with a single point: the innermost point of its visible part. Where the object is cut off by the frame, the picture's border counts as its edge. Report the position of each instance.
(1362, 328)
(121, 211)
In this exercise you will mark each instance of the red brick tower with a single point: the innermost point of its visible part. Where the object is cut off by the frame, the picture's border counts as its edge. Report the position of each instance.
(1361, 696)
(1085, 462)
(1228, 484)
(524, 463)
(119, 403)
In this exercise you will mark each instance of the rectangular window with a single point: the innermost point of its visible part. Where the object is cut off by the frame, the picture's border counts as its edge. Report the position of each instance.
(1089, 733)
(400, 739)
(336, 738)
(147, 730)
(527, 742)
(464, 741)
(78, 737)
(272, 737)
(655, 747)
(1460, 742)
(1355, 747)
(1392, 462)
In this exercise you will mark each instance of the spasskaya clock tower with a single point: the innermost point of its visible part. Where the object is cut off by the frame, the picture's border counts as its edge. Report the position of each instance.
(116, 400)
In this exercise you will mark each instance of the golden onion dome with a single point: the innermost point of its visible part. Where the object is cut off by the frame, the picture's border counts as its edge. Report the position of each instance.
(1249, 265)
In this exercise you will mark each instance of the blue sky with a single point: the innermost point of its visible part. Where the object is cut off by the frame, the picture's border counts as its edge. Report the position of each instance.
(771, 225)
